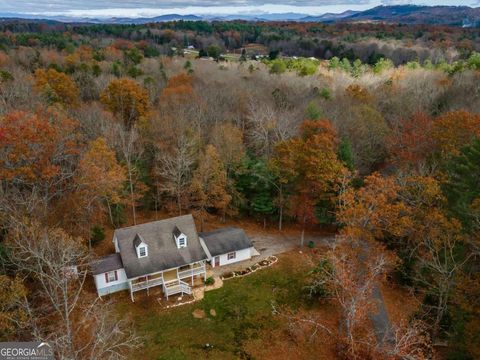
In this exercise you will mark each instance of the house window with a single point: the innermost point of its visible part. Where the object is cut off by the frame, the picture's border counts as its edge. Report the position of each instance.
(182, 242)
(231, 256)
(142, 251)
(111, 276)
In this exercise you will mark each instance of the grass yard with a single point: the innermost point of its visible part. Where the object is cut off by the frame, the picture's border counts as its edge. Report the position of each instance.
(244, 326)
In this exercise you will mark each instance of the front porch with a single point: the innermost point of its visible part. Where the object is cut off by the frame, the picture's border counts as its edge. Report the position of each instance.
(173, 281)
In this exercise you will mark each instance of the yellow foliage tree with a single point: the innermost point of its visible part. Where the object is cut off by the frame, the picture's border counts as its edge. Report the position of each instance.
(126, 99)
(208, 188)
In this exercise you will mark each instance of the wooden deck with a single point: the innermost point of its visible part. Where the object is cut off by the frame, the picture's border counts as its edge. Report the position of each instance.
(181, 280)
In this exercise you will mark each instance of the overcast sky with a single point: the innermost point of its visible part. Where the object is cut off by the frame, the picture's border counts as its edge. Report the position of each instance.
(136, 8)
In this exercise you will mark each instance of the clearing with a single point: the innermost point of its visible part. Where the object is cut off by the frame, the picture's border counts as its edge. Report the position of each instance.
(235, 321)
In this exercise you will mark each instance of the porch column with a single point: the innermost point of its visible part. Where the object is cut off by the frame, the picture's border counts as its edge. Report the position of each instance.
(131, 290)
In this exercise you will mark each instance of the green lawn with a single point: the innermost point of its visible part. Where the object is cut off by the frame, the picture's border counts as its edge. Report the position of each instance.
(243, 308)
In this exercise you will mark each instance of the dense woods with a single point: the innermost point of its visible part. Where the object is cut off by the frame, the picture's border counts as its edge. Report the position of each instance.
(378, 138)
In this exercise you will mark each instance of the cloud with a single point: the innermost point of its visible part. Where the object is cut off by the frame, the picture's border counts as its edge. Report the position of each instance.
(65, 5)
(397, 2)
(147, 8)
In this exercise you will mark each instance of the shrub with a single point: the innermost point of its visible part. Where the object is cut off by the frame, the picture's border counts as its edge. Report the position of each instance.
(210, 281)
(278, 67)
(98, 234)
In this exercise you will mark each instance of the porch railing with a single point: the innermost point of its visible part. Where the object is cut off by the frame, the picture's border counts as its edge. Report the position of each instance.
(192, 271)
(177, 288)
(146, 284)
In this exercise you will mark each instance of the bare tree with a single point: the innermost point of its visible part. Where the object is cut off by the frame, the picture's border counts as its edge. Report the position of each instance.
(175, 170)
(127, 145)
(60, 309)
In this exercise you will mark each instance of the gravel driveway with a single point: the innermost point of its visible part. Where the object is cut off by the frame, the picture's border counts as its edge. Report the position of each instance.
(276, 244)
(273, 244)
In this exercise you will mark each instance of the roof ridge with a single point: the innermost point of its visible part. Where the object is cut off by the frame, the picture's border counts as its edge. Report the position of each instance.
(154, 221)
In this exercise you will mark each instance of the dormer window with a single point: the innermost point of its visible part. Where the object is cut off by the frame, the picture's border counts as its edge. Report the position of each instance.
(140, 246)
(182, 242)
(142, 251)
(180, 238)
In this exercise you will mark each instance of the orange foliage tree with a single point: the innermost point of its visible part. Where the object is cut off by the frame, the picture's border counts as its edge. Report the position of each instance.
(179, 88)
(373, 211)
(38, 153)
(57, 87)
(100, 179)
(454, 130)
(31, 146)
(308, 164)
(126, 99)
(411, 142)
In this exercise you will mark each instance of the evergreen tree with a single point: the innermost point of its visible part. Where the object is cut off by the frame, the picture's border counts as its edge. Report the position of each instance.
(463, 186)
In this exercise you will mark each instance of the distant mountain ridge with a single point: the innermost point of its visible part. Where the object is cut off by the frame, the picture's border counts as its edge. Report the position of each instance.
(416, 14)
(408, 14)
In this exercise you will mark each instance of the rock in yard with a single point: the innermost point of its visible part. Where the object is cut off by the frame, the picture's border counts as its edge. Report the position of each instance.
(213, 312)
(198, 314)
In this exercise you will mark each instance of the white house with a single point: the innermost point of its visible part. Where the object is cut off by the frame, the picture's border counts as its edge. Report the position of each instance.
(227, 246)
(164, 253)
(167, 253)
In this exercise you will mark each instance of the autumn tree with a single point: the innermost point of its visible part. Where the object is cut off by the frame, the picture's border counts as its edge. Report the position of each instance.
(13, 314)
(127, 145)
(59, 309)
(179, 88)
(453, 130)
(174, 169)
(375, 211)
(228, 140)
(38, 153)
(407, 214)
(466, 339)
(309, 164)
(410, 144)
(350, 274)
(100, 179)
(208, 189)
(126, 99)
(57, 87)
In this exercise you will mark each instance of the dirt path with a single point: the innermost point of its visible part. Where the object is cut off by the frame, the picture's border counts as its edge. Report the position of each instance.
(380, 319)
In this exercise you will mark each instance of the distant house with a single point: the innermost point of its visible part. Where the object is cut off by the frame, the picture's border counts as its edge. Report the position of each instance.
(227, 246)
(166, 253)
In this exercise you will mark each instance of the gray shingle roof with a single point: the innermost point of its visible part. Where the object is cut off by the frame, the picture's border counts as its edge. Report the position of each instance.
(137, 240)
(223, 241)
(106, 264)
(163, 253)
(176, 231)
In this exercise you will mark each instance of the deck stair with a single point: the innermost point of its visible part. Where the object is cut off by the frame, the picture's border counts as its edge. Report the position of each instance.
(176, 287)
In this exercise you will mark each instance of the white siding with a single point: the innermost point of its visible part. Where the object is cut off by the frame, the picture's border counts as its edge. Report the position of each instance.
(100, 282)
(241, 255)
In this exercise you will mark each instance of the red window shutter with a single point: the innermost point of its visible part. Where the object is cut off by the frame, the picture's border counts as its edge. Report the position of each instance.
(106, 277)
(116, 276)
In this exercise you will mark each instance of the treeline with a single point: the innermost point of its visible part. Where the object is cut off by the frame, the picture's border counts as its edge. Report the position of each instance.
(368, 42)
(95, 133)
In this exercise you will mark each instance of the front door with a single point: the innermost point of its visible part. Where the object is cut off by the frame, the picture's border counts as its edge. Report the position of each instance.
(217, 260)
